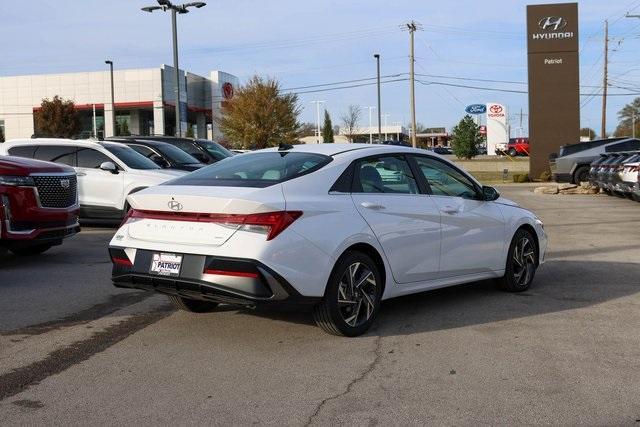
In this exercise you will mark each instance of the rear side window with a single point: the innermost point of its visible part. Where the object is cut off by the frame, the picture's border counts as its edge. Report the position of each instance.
(384, 174)
(91, 159)
(24, 151)
(63, 154)
(255, 170)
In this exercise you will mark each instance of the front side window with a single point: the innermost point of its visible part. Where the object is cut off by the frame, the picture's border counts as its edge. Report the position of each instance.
(176, 155)
(91, 159)
(255, 170)
(145, 151)
(445, 180)
(215, 150)
(384, 174)
(63, 154)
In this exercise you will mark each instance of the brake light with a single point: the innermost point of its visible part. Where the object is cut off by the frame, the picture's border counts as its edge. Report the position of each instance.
(121, 261)
(269, 223)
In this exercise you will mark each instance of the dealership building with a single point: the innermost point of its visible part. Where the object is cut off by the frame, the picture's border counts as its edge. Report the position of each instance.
(144, 101)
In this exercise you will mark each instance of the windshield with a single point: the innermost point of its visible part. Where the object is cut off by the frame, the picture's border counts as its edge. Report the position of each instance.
(255, 170)
(176, 155)
(216, 150)
(131, 157)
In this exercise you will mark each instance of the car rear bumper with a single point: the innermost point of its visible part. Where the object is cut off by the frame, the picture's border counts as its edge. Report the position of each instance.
(230, 280)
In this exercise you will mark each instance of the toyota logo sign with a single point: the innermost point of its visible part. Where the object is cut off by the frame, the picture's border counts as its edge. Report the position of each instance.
(496, 109)
(174, 206)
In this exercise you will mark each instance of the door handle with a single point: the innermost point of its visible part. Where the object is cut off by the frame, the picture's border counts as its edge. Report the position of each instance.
(451, 210)
(371, 205)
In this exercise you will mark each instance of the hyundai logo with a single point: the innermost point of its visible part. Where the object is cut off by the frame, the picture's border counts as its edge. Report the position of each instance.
(552, 23)
(174, 206)
(65, 183)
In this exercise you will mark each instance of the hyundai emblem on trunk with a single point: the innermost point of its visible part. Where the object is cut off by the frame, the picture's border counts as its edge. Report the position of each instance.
(174, 206)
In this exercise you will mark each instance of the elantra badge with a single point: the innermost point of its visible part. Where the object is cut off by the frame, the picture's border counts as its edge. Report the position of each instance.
(174, 206)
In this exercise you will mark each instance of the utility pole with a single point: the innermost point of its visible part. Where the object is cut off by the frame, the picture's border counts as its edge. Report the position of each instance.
(370, 124)
(318, 117)
(412, 27)
(633, 124)
(605, 83)
(377, 56)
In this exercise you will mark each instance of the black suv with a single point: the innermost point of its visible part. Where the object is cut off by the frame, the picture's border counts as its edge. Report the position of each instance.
(203, 150)
(167, 156)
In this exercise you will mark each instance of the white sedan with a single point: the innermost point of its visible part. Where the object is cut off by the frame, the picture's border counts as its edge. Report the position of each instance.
(337, 226)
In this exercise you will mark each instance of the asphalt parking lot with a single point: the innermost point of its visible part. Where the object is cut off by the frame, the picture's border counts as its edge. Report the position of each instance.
(75, 350)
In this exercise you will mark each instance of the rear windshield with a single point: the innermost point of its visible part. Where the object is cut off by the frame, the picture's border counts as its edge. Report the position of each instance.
(131, 157)
(255, 169)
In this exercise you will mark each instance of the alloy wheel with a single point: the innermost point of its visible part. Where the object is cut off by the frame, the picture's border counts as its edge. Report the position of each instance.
(357, 294)
(524, 262)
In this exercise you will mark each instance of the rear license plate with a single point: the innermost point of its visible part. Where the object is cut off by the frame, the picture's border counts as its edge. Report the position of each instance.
(166, 264)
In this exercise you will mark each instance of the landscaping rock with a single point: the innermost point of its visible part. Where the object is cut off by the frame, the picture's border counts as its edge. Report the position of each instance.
(546, 190)
(562, 187)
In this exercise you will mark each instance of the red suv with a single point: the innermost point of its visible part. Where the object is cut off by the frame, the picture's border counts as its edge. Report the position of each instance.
(38, 204)
(518, 147)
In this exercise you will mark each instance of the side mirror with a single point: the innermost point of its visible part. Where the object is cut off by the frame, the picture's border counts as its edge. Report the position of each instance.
(109, 166)
(489, 193)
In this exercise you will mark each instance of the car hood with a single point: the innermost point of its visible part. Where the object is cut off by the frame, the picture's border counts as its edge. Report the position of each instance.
(507, 202)
(20, 166)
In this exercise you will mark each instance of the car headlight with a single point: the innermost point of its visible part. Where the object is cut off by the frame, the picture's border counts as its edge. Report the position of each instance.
(18, 181)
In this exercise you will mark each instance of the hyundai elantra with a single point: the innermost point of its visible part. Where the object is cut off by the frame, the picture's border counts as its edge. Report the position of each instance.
(336, 227)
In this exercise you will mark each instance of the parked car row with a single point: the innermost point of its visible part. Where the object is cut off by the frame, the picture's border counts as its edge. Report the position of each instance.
(109, 171)
(617, 173)
(515, 147)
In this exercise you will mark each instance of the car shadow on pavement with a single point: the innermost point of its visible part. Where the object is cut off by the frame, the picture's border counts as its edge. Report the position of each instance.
(559, 285)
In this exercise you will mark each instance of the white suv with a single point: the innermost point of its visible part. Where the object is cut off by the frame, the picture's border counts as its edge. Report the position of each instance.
(107, 172)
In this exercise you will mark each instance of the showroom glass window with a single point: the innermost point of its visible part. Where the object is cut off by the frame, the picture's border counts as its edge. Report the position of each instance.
(445, 180)
(384, 174)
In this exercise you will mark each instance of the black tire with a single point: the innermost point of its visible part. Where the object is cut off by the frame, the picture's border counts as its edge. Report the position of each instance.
(513, 152)
(192, 305)
(330, 314)
(581, 175)
(30, 250)
(513, 279)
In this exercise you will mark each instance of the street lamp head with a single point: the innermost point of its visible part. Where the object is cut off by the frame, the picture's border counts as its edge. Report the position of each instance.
(377, 56)
(197, 4)
(108, 62)
(166, 3)
(150, 8)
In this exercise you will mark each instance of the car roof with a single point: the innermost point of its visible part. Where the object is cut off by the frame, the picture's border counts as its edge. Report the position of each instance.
(334, 149)
(64, 141)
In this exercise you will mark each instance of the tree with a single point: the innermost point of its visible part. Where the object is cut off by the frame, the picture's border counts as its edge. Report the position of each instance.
(259, 116)
(350, 121)
(466, 138)
(190, 133)
(56, 118)
(625, 118)
(588, 132)
(307, 129)
(327, 129)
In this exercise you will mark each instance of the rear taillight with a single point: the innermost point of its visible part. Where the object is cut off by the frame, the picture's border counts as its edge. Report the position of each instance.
(120, 257)
(269, 223)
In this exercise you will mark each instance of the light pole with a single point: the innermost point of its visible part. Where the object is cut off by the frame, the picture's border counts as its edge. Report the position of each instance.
(318, 116)
(386, 115)
(113, 104)
(166, 5)
(377, 56)
(370, 124)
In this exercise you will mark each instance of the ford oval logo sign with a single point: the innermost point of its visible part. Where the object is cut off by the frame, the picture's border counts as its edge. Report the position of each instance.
(476, 109)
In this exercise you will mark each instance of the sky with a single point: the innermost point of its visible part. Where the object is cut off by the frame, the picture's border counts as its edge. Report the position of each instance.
(315, 42)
